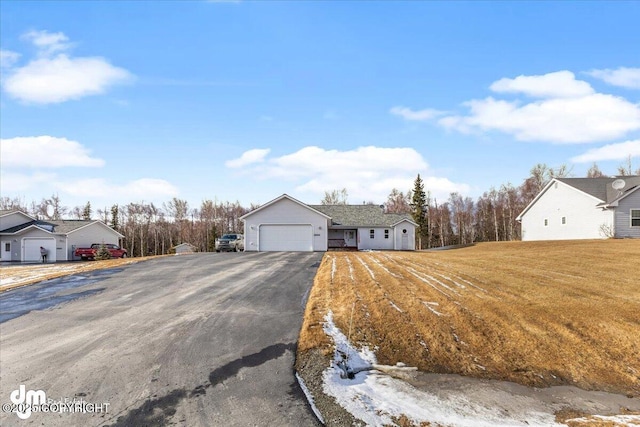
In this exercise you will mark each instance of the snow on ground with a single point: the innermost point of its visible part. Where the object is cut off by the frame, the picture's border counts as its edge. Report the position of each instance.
(376, 398)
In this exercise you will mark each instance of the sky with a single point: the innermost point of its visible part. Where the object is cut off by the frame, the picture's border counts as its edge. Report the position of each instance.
(131, 101)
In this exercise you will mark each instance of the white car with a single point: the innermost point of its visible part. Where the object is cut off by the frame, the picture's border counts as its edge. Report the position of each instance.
(230, 242)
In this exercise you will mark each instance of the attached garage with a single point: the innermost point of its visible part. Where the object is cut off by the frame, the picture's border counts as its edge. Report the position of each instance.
(285, 224)
(285, 237)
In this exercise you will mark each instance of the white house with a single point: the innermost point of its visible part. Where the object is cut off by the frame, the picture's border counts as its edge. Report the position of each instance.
(584, 208)
(21, 236)
(286, 224)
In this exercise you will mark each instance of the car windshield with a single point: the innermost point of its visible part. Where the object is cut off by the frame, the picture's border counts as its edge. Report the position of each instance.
(229, 236)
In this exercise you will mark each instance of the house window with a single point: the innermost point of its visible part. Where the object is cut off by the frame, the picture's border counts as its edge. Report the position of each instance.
(635, 217)
(7, 247)
(564, 220)
(372, 233)
(386, 234)
(546, 222)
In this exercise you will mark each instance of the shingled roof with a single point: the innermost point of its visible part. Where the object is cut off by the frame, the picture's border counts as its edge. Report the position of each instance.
(360, 215)
(601, 188)
(63, 226)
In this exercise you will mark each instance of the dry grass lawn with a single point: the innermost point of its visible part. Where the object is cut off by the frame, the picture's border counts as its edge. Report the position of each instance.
(537, 313)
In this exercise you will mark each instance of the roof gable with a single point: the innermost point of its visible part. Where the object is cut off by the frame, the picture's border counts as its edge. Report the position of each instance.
(600, 189)
(276, 200)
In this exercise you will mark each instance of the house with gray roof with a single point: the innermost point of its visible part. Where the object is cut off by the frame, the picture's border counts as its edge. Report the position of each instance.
(584, 208)
(22, 235)
(287, 224)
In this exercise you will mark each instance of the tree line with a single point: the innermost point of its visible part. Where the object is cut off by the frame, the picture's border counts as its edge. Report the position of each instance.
(151, 229)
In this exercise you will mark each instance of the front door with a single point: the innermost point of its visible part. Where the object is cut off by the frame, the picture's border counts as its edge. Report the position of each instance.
(350, 238)
(405, 240)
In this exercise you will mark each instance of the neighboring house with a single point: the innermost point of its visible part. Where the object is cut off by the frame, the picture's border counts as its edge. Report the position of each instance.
(584, 208)
(184, 248)
(286, 224)
(21, 236)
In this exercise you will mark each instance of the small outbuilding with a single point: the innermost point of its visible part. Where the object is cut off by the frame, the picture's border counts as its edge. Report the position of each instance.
(287, 224)
(184, 248)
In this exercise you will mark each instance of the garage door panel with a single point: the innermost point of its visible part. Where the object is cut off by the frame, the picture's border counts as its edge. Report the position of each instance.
(286, 237)
(31, 248)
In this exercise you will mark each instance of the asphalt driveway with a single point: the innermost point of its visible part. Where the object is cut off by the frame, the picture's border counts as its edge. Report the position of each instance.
(197, 340)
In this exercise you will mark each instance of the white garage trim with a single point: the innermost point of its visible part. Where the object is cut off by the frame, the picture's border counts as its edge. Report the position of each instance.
(31, 248)
(285, 237)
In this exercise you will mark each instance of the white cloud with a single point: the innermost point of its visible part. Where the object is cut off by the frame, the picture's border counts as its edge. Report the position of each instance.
(570, 112)
(561, 84)
(592, 118)
(419, 115)
(8, 58)
(139, 189)
(13, 182)
(617, 151)
(368, 173)
(45, 152)
(248, 157)
(58, 78)
(624, 77)
(47, 43)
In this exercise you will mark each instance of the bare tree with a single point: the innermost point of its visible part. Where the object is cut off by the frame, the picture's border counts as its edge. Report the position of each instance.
(595, 172)
(398, 202)
(335, 197)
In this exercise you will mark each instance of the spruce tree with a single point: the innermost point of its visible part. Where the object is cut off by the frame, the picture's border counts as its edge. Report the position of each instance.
(419, 209)
(102, 253)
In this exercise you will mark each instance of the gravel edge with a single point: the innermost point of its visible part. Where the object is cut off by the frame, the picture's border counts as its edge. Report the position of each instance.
(310, 365)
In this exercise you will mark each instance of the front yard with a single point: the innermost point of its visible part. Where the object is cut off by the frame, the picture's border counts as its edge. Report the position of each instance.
(535, 313)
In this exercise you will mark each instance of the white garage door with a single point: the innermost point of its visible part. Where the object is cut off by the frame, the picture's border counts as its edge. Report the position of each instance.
(31, 248)
(286, 237)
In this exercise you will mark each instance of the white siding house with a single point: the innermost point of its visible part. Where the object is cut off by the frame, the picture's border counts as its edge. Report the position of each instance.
(21, 237)
(583, 208)
(286, 224)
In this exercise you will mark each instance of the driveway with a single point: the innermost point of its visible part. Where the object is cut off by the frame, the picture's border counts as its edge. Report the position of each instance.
(197, 340)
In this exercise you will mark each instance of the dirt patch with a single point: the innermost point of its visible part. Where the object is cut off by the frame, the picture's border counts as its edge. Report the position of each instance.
(534, 313)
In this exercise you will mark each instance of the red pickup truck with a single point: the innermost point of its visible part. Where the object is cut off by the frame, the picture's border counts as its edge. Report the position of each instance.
(90, 253)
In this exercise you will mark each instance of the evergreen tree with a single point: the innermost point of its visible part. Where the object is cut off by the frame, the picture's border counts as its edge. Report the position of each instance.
(419, 209)
(86, 213)
(114, 217)
(102, 253)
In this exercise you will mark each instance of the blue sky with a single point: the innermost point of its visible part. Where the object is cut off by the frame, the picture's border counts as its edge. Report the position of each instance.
(117, 102)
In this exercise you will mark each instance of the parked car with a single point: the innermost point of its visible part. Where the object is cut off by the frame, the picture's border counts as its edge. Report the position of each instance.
(230, 242)
(90, 253)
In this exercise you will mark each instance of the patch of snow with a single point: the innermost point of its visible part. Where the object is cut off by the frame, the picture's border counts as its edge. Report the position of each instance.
(427, 281)
(395, 306)
(376, 398)
(384, 268)
(364, 264)
(333, 268)
(434, 311)
(310, 399)
(350, 270)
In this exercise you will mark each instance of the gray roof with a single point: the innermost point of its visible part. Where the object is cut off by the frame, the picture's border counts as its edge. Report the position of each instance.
(63, 226)
(360, 215)
(601, 188)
